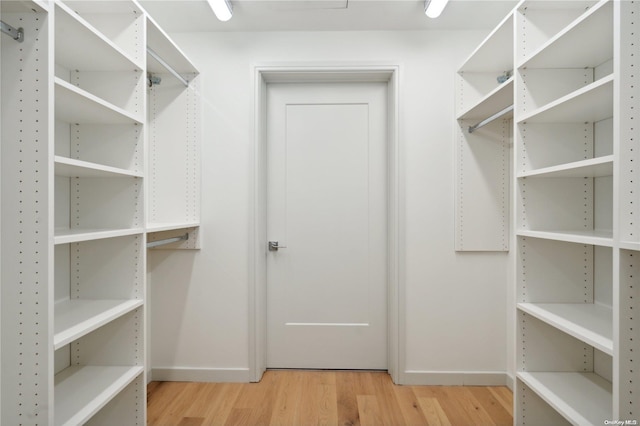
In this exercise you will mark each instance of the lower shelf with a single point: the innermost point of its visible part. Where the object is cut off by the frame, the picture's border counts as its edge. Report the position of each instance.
(75, 318)
(81, 391)
(581, 398)
(589, 322)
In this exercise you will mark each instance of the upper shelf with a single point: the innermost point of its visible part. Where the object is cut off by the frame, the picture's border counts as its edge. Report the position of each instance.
(591, 103)
(163, 46)
(500, 98)
(495, 53)
(80, 46)
(74, 105)
(585, 43)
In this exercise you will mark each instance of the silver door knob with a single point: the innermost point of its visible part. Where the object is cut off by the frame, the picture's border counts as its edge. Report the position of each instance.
(273, 246)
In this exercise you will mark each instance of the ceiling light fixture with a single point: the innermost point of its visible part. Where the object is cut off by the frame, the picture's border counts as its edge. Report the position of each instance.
(433, 8)
(222, 9)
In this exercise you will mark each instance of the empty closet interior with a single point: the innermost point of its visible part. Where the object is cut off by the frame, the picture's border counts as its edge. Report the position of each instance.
(103, 120)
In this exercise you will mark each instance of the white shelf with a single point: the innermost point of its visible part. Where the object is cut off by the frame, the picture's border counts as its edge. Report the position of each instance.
(596, 238)
(590, 323)
(630, 245)
(495, 53)
(159, 227)
(594, 167)
(162, 44)
(497, 100)
(79, 46)
(81, 391)
(76, 168)
(66, 236)
(75, 318)
(591, 103)
(585, 43)
(74, 105)
(581, 398)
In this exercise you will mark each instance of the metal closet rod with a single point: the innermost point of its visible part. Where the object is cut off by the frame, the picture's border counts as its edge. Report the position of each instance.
(16, 34)
(168, 241)
(167, 66)
(490, 119)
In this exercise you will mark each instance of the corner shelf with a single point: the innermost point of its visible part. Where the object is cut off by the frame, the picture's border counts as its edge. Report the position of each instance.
(592, 103)
(81, 391)
(162, 44)
(588, 322)
(497, 100)
(581, 398)
(491, 55)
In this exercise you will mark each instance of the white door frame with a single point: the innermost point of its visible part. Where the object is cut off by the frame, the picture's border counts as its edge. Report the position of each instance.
(263, 75)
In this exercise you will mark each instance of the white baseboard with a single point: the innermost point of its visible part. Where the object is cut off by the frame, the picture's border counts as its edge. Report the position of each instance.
(454, 378)
(184, 374)
(511, 382)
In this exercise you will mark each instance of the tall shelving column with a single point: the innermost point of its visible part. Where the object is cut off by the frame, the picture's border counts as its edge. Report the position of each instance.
(566, 161)
(99, 261)
(484, 103)
(74, 180)
(27, 222)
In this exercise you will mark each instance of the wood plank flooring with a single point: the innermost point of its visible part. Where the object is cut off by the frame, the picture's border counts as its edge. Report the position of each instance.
(294, 397)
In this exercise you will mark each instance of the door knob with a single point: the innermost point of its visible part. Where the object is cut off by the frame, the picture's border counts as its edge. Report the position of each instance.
(273, 246)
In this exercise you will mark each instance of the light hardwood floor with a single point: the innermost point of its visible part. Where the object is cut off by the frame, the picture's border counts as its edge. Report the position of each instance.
(326, 398)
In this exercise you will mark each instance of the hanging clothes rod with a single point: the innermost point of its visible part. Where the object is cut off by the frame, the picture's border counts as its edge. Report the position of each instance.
(495, 116)
(168, 67)
(168, 241)
(16, 34)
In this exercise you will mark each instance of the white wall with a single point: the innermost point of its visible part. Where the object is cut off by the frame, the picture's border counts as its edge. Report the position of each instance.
(456, 304)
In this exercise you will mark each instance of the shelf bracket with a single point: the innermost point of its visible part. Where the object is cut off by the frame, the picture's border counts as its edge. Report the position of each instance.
(168, 67)
(168, 241)
(16, 34)
(494, 117)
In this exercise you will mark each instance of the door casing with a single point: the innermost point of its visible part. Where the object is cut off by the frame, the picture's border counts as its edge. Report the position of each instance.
(257, 309)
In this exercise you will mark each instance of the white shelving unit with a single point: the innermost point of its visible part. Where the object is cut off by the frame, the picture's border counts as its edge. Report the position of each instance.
(576, 198)
(570, 297)
(99, 258)
(76, 185)
(174, 149)
(484, 114)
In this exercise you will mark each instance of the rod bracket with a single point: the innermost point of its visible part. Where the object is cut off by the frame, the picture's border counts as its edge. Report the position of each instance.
(16, 34)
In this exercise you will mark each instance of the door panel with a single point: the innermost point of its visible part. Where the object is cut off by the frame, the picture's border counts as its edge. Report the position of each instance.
(326, 291)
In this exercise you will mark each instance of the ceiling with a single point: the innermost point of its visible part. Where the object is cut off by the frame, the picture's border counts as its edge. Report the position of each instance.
(326, 15)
